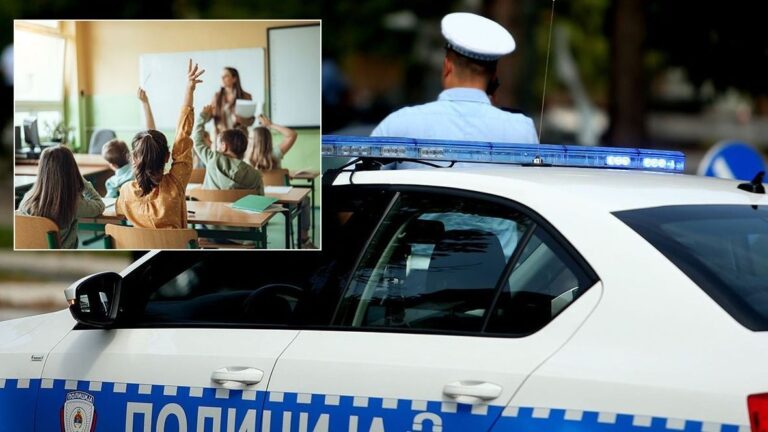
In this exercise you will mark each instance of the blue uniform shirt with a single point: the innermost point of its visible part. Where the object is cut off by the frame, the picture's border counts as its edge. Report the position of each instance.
(122, 175)
(463, 114)
(459, 114)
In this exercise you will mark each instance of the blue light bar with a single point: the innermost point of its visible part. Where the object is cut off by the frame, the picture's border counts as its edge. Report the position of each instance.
(502, 153)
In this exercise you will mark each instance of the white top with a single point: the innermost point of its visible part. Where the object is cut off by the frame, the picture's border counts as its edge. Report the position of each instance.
(476, 37)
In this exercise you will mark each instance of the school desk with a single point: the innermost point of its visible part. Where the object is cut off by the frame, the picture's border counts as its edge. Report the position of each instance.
(21, 184)
(208, 213)
(291, 200)
(85, 170)
(93, 167)
(26, 175)
(80, 158)
(309, 176)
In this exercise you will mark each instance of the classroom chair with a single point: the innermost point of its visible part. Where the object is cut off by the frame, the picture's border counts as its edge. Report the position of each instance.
(99, 138)
(276, 177)
(198, 175)
(33, 232)
(124, 237)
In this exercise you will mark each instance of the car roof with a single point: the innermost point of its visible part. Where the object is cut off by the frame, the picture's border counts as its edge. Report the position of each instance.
(605, 189)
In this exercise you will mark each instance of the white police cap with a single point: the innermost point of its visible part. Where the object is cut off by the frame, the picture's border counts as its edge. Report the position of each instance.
(476, 37)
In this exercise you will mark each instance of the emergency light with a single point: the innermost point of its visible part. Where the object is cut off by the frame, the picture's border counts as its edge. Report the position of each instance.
(502, 153)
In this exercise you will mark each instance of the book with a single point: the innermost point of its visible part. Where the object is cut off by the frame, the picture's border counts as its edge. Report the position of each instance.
(246, 108)
(253, 203)
(274, 208)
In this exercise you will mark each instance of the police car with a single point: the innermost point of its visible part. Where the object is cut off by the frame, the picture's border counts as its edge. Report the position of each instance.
(621, 297)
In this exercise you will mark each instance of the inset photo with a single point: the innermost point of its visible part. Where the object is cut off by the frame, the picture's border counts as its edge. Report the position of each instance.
(167, 134)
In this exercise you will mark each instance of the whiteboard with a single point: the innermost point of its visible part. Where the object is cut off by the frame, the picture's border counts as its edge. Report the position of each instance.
(164, 77)
(294, 76)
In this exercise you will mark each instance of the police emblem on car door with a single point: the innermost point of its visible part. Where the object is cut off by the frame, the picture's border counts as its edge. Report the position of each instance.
(78, 413)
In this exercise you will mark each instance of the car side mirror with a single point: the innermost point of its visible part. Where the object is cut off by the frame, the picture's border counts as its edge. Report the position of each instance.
(94, 300)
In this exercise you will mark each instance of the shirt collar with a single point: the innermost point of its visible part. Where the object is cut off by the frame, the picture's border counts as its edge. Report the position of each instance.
(124, 170)
(464, 94)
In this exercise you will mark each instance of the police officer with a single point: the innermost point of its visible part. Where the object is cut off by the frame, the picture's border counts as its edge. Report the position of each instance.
(463, 111)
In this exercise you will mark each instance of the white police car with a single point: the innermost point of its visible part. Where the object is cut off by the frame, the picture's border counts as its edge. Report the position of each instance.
(520, 298)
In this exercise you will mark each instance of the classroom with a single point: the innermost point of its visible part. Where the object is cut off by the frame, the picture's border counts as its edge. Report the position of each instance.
(187, 133)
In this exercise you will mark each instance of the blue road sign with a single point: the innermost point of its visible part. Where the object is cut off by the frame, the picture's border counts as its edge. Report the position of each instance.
(732, 160)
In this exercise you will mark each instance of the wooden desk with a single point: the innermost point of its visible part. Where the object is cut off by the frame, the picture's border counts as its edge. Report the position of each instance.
(90, 160)
(23, 181)
(304, 175)
(94, 170)
(21, 185)
(294, 196)
(308, 176)
(292, 200)
(85, 170)
(211, 213)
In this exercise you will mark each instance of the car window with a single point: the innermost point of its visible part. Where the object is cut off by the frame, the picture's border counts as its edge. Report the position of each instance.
(284, 288)
(434, 264)
(545, 279)
(722, 248)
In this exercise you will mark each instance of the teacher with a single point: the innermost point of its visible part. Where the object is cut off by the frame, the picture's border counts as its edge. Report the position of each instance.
(224, 116)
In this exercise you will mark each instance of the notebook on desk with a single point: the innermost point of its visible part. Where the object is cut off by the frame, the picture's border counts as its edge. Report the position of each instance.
(253, 203)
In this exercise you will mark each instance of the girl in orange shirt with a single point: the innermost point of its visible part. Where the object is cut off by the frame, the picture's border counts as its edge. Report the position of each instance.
(154, 199)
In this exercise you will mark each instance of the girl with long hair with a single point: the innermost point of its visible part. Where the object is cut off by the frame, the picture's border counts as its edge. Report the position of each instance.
(155, 199)
(264, 156)
(261, 153)
(61, 194)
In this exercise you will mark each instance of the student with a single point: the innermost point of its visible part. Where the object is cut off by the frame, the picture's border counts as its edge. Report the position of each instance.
(61, 194)
(261, 153)
(154, 199)
(224, 167)
(264, 156)
(117, 154)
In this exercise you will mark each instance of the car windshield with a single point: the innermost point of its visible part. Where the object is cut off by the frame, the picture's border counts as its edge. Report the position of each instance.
(722, 248)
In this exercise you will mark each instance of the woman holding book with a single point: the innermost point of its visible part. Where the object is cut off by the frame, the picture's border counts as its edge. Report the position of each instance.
(224, 115)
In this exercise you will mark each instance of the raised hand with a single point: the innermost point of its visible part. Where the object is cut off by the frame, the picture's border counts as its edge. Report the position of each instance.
(193, 75)
(142, 95)
(207, 111)
(264, 121)
(193, 78)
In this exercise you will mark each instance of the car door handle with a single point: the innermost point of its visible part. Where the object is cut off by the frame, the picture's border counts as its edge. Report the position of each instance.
(472, 392)
(242, 375)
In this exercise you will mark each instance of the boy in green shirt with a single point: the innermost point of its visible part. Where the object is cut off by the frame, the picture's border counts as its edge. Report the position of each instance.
(224, 167)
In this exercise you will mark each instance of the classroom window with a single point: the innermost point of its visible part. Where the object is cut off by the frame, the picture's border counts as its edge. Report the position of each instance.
(46, 120)
(39, 74)
(54, 24)
(38, 68)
